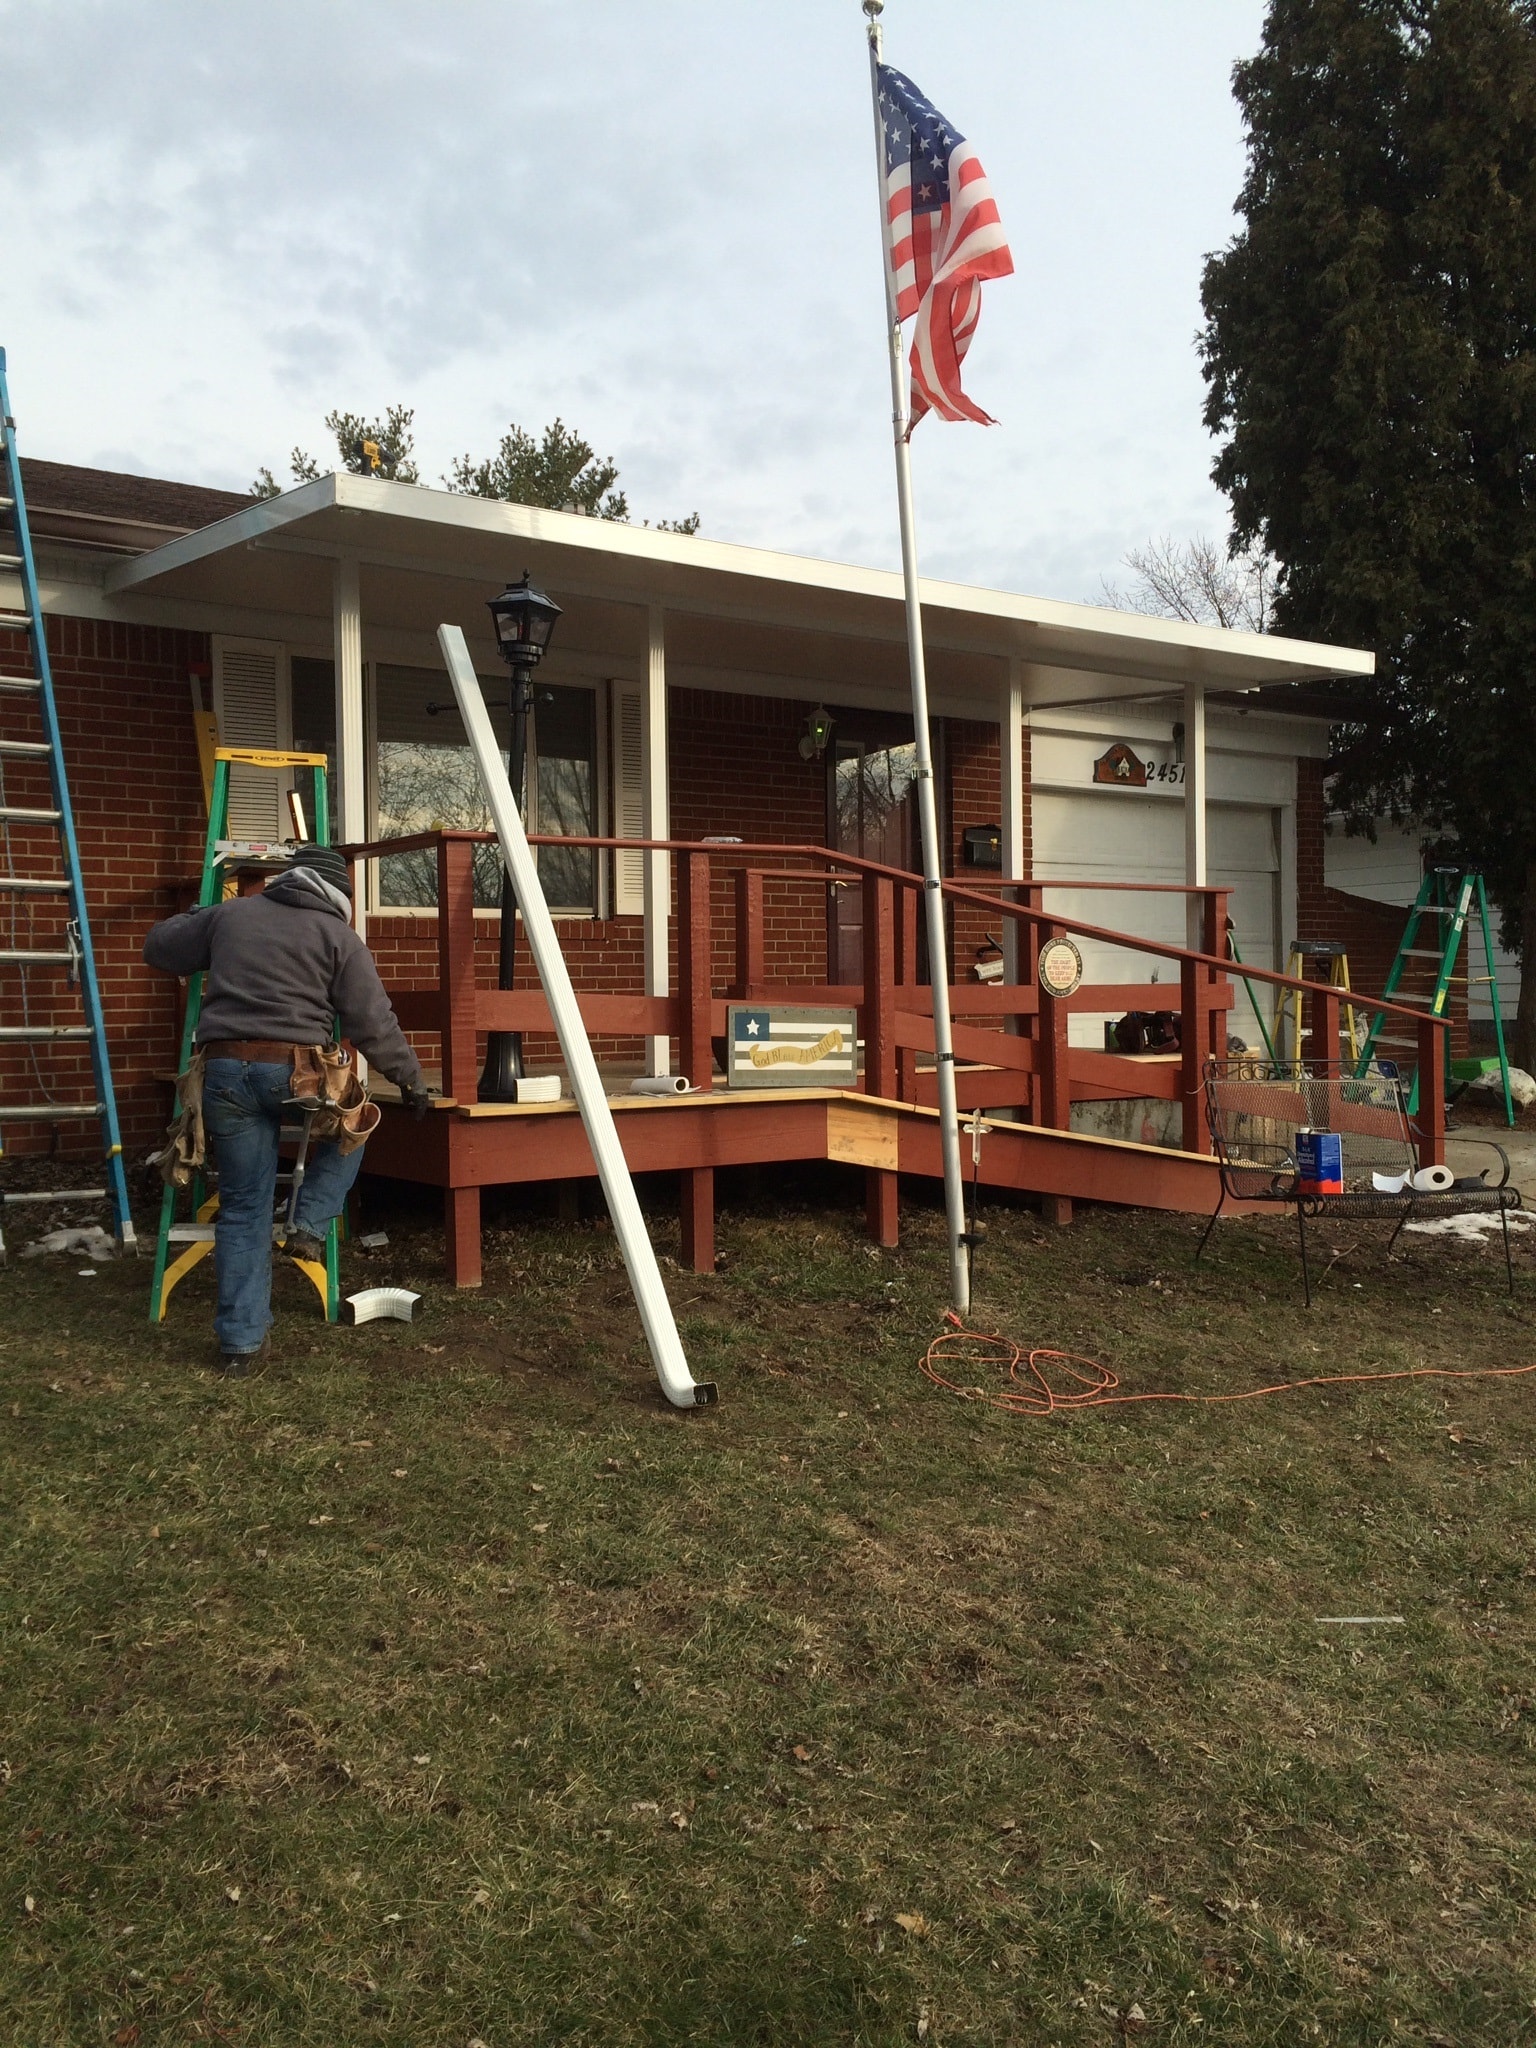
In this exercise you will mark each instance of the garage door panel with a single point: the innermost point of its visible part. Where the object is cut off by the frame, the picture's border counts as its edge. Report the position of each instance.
(1123, 837)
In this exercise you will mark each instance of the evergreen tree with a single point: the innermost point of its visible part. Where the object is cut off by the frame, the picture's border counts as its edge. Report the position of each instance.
(1370, 360)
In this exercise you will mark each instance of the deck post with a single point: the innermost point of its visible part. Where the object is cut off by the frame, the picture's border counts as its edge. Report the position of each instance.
(1055, 1059)
(1197, 1018)
(461, 1218)
(696, 1205)
(1431, 1094)
(1011, 750)
(658, 866)
(456, 1028)
(907, 977)
(750, 970)
(456, 967)
(1323, 1017)
(695, 1050)
(877, 1024)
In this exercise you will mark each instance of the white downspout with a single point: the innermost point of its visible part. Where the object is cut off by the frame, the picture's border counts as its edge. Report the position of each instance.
(658, 816)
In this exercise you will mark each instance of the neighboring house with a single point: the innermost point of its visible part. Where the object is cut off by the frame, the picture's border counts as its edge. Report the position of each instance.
(1387, 871)
(682, 681)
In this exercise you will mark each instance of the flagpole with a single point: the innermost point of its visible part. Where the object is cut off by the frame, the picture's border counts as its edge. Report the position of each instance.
(927, 808)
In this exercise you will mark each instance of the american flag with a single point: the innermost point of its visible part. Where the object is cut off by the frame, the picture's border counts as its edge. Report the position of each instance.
(945, 237)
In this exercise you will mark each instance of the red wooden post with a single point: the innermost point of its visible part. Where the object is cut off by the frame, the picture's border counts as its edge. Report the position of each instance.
(696, 1202)
(749, 932)
(456, 995)
(1214, 941)
(695, 984)
(877, 1013)
(877, 1021)
(1323, 1016)
(694, 970)
(1055, 1073)
(1431, 1118)
(461, 1220)
(906, 975)
(1031, 896)
(456, 967)
(1194, 1039)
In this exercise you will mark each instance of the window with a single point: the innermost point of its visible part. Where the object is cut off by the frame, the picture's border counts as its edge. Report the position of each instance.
(563, 779)
(424, 776)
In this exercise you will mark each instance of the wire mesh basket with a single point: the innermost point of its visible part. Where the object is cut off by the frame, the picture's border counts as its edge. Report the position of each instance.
(1256, 1107)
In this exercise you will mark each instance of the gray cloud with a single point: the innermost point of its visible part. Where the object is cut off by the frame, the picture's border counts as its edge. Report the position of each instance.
(659, 222)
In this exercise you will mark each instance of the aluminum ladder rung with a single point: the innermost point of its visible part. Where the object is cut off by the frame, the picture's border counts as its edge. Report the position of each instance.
(36, 885)
(41, 1034)
(190, 1233)
(11, 561)
(16, 814)
(15, 622)
(26, 749)
(54, 1195)
(20, 958)
(20, 686)
(48, 1112)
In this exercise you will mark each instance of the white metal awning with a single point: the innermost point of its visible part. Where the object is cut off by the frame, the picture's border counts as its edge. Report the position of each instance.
(426, 555)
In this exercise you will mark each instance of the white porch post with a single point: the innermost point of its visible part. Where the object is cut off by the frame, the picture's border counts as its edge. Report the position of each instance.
(1194, 802)
(349, 814)
(1011, 749)
(658, 866)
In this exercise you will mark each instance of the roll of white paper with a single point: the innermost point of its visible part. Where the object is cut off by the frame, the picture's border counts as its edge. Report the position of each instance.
(1430, 1180)
(661, 1084)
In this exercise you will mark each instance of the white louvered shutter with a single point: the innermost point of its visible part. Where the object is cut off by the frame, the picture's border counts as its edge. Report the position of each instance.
(628, 796)
(250, 704)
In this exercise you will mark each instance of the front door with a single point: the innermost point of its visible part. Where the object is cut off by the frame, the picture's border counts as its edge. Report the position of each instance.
(871, 812)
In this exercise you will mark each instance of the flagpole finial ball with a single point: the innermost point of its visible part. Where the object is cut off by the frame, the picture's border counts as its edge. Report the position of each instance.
(874, 9)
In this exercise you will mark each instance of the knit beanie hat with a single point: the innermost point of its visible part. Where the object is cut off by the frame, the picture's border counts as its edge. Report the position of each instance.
(325, 862)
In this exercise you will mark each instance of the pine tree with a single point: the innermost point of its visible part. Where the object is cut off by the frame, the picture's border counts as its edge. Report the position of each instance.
(1370, 360)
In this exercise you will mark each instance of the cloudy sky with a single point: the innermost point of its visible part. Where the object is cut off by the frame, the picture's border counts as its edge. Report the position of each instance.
(656, 218)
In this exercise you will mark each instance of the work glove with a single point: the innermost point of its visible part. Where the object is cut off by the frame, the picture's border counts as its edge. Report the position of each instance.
(416, 1100)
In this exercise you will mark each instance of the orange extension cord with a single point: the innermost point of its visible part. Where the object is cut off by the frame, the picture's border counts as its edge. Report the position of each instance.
(1030, 1391)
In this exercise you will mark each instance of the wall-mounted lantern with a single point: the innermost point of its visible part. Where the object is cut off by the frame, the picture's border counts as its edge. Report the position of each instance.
(818, 730)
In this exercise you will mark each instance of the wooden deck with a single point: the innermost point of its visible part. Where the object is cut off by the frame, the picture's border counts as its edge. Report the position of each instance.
(1011, 1045)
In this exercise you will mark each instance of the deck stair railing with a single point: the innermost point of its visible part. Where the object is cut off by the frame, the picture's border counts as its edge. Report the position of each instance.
(1014, 1033)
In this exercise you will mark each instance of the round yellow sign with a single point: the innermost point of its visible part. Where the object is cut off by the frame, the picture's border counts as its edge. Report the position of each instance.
(1061, 967)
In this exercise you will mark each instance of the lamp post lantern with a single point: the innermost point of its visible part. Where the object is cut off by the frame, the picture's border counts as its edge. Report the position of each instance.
(524, 619)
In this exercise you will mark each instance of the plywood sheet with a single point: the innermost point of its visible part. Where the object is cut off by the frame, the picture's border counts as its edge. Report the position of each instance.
(861, 1136)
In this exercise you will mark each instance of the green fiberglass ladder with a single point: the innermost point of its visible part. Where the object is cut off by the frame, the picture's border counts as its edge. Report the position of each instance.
(40, 879)
(1448, 901)
(192, 1241)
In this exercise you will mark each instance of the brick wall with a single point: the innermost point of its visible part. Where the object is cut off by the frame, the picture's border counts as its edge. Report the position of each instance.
(136, 788)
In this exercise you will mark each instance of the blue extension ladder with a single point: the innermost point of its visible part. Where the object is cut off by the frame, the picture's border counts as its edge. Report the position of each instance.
(70, 951)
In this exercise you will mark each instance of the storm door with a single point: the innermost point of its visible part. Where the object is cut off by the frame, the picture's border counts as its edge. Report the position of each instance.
(871, 812)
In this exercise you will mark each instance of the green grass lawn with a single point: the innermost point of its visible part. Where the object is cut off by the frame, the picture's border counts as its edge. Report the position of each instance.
(443, 1686)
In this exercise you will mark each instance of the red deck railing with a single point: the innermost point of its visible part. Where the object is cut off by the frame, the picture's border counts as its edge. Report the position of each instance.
(1013, 1032)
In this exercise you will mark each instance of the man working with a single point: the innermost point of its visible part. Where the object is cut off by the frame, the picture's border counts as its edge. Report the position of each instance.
(281, 966)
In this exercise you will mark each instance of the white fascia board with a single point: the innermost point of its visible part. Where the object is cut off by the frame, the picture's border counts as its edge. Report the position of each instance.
(1205, 653)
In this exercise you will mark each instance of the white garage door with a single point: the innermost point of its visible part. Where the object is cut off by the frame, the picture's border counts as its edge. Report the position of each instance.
(1125, 837)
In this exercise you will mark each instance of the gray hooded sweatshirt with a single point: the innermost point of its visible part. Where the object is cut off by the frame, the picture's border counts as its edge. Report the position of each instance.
(282, 965)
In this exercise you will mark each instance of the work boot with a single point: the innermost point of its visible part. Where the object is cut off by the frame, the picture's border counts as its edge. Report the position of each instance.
(303, 1244)
(238, 1365)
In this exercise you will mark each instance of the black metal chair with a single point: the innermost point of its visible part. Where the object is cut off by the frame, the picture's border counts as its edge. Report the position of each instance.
(1255, 1107)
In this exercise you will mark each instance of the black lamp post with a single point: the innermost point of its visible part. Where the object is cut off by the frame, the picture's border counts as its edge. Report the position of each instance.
(524, 619)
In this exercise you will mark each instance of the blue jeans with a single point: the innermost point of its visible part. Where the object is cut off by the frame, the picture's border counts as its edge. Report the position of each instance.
(243, 1109)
